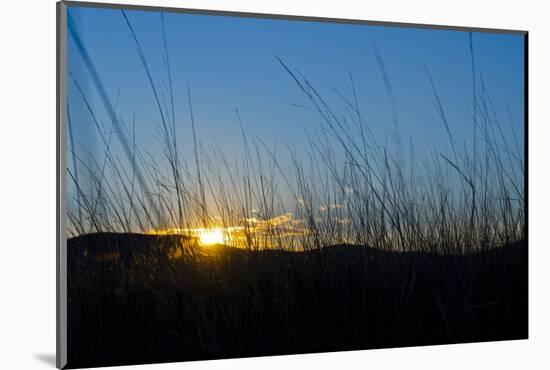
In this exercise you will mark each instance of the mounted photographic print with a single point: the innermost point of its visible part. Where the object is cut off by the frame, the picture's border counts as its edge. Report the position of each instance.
(235, 185)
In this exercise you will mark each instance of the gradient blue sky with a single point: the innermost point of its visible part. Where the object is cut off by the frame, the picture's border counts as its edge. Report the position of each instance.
(229, 63)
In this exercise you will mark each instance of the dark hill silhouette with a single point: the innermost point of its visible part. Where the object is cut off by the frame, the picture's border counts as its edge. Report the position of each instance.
(123, 248)
(133, 298)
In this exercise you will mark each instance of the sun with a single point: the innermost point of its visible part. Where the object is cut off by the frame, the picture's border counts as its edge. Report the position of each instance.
(211, 236)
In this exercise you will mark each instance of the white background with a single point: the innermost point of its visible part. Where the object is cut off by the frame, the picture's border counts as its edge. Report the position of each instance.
(27, 182)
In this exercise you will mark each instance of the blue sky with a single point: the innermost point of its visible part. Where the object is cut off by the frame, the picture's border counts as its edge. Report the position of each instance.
(229, 63)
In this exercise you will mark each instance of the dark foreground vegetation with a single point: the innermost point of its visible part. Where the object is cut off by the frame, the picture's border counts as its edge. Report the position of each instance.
(401, 243)
(134, 299)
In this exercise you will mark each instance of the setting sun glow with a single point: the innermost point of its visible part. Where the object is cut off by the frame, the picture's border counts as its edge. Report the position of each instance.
(211, 236)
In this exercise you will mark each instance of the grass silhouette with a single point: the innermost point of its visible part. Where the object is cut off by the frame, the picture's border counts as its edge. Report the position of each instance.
(381, 248)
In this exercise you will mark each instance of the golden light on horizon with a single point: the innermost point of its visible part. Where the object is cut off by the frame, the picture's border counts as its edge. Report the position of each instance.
(211, 236)
(255, 233)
